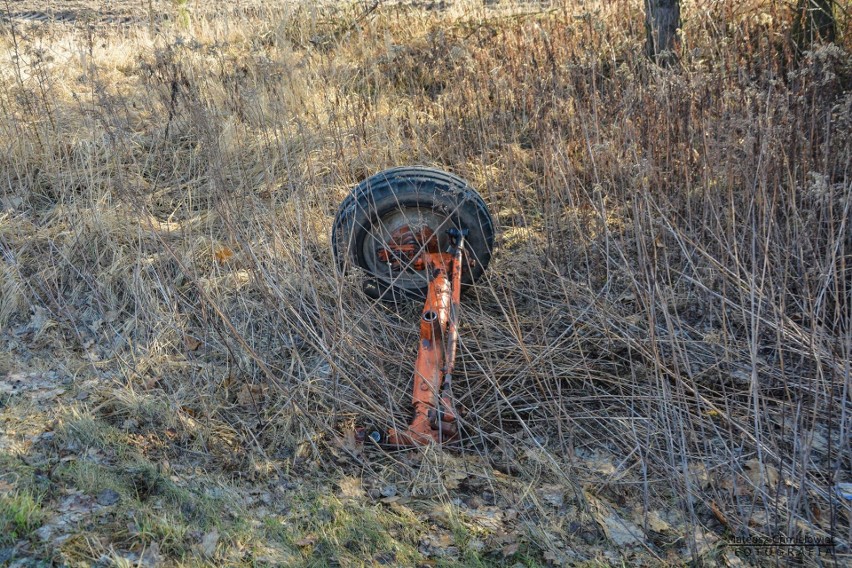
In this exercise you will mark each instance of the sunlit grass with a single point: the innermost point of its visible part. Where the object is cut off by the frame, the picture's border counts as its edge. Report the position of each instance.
(668, 302)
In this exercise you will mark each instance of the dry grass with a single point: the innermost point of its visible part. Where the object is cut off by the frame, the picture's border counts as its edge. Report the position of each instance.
(666, 326)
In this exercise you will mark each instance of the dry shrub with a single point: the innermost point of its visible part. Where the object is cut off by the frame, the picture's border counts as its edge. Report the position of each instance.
(672, 289)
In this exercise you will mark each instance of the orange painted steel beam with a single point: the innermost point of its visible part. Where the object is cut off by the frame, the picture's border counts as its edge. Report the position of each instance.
(435, 419)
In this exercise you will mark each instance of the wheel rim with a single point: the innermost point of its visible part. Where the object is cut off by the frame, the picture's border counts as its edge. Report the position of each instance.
(379, 234)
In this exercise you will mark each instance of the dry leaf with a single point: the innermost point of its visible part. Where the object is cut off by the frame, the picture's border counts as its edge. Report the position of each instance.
(223, 254)
(350, 488)
(151, 556)
(209, 543)
(734, 484)
(347, 441)
(618, 530)
(440, 515)
(705, 541)
(490, 518)
(307, 541)
(699, 473)
(768, 476)
(553, 495)
(452, 479)
(717, 512)
(191, 343)
(502, 538)
(815, 511)
(250, 394)
(657, 523)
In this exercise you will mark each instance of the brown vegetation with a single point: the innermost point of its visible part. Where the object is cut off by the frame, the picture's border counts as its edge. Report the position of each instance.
(657, 360)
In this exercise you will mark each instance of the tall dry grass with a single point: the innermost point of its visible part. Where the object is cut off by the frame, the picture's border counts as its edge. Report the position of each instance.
(671, 291)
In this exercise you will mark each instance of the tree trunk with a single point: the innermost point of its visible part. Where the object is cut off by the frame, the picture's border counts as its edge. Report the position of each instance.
(814, 20)
(662, 20)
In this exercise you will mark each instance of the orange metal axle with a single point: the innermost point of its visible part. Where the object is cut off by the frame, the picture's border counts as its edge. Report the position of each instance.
(435, 418)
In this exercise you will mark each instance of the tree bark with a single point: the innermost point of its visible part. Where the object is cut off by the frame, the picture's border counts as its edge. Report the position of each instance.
(662, 20)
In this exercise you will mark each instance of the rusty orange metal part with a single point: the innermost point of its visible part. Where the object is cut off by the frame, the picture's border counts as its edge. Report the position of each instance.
(435, 417)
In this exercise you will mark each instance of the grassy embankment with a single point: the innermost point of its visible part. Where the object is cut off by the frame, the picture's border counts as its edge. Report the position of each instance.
(658, 359)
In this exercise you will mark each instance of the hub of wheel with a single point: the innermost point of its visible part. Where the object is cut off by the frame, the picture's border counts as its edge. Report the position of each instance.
(407, 247)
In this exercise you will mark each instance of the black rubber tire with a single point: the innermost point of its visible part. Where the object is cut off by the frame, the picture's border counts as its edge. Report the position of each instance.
(394, 196)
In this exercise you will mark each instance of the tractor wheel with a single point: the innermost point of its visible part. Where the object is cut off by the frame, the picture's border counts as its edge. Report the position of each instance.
(417, 197)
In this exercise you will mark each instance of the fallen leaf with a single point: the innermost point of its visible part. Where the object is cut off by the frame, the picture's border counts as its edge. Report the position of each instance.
(618, 530)
(47, 396)
(552, 495)
(490, 518)
(657, 523)
(151, 557)
(191, 343)
(765, 476)
(385, 558)
(250, 394)
(452, 479)
(223, 254)
(350, 488)
(510, 549)
(108, 497)
(704, 540)
(347, 441)
(717, 512)
(307, 541)
(209, 542)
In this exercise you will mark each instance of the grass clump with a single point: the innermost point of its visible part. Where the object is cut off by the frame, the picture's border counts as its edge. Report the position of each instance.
(20, 515)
